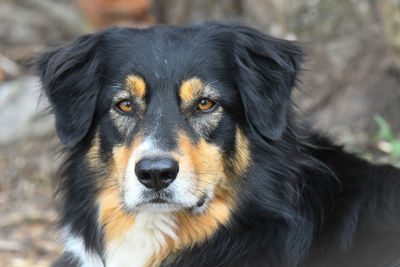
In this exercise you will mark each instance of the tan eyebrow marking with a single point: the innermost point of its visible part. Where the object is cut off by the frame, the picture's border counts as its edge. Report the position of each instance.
(135, 85)
(191, 89)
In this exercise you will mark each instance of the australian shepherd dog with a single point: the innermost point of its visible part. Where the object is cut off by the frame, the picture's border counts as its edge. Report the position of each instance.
(182, 148)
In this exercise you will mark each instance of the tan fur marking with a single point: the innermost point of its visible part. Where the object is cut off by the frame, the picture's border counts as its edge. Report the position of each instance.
(135, 85)
(94, 152)
(114, 220)
(198, 228)
(191, 89)
(205, 158)
(242, 154)
(112, 216)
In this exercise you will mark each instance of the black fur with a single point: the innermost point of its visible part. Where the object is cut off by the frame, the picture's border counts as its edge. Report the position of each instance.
(267, 69)
(66, 260)
(71, 76)
(303, 201)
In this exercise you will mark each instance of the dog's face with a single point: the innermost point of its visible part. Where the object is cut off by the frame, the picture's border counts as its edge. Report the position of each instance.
(164, 115)
(170, 120)
(170, 139)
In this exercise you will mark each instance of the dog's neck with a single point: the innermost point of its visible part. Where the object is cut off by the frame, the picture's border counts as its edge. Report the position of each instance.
(148, 237)
(142, 244)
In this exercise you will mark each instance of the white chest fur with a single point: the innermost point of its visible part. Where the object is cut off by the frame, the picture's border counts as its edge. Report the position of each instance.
(144, 240)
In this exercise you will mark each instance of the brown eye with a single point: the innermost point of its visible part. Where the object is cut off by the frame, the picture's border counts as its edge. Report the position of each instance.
(205, 104)
(125, 105)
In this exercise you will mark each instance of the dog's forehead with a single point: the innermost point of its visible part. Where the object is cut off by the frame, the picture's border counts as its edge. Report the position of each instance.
(163, 56)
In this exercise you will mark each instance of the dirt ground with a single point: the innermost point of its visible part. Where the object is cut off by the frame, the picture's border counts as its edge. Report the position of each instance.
(350, 76)
(27, 225)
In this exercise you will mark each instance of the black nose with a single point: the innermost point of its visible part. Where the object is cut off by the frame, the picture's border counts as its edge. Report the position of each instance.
(156, 173)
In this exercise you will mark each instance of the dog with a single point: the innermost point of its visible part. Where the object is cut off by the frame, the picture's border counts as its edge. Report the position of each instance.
(183, 148)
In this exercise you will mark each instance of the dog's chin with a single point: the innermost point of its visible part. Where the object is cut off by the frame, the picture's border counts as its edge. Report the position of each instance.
(161, 205)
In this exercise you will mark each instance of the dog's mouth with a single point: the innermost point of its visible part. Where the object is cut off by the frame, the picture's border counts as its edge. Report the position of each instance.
(200, 206)
(159, 200)
(201, 201)
(162, 202)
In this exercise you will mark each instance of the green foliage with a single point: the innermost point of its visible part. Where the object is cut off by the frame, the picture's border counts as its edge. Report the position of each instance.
(393, 144)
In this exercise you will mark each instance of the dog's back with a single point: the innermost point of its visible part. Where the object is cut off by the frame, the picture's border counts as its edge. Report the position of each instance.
(362, 228)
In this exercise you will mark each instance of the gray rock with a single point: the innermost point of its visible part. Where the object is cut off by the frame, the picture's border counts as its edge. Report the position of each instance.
(23, 112)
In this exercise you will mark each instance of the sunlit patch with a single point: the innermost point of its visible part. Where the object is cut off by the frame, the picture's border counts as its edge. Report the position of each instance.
(135, 85)
(191, 89)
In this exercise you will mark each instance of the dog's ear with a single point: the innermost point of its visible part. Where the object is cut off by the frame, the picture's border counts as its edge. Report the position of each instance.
(71, 80)
(266, 72)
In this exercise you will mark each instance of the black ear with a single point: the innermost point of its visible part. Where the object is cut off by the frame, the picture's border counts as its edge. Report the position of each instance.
(266, 72)
(71, 80)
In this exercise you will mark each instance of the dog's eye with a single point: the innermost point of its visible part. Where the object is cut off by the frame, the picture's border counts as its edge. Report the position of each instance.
(125, 105)
(205, 104)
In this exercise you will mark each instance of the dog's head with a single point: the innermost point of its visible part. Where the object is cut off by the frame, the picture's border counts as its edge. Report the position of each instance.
(166, 114)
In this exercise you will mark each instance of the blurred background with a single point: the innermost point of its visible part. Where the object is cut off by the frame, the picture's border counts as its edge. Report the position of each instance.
(350, 87)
